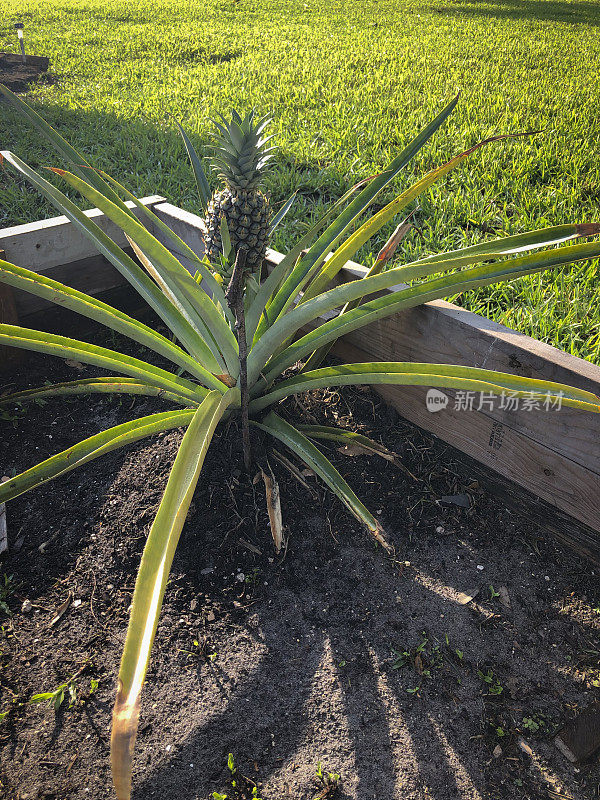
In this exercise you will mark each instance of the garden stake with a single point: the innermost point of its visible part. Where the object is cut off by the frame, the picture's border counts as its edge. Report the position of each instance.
(19, 29)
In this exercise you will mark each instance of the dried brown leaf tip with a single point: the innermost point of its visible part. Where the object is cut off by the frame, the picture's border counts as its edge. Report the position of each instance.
(274, 509)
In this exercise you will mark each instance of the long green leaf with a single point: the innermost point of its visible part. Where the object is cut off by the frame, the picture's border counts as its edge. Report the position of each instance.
(314, 458)
(280, 216)
(330, 237)
(383, 257)
(151, 583)
(112, 385)
(63, 347)
(90, 307)
(214, 286)
(92, 448)
(369, 228)
(194, 300)
(504, 246)
(390, 303)
(76, 160)
(407, 373)
(132, 272)
(257, 319)
(204, 193)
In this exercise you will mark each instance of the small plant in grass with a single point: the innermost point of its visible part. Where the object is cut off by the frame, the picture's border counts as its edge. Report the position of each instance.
(238, 343)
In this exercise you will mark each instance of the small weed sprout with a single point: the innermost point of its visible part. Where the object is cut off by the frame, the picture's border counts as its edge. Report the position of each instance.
(242, 787)
(494, 686)
(330, 781)
(57, 696)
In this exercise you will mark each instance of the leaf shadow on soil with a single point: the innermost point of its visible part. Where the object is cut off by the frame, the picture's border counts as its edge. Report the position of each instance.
(385, 744)
(304, 667)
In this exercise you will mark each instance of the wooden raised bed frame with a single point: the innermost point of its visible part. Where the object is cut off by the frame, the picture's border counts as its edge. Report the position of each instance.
(547, 462)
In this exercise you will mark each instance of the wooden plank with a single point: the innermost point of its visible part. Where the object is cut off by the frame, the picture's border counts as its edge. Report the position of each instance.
(580, 739)
(48, 243)
(553, 454)
(545, 518)
(186, 225)
(540, 467)
(92, 275)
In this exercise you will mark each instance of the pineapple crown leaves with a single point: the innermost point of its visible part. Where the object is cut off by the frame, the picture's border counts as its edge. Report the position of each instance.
(239, 153)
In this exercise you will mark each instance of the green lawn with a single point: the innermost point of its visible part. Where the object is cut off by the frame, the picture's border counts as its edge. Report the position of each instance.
(348, 84)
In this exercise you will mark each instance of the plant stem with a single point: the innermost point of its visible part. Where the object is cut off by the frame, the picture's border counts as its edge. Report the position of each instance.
(235, 300)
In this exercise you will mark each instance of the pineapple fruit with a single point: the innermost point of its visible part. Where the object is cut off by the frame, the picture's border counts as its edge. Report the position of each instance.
(240, 157)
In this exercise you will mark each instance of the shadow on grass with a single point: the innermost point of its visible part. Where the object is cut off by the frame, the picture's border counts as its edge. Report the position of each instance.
(146, 156)
(582, 13)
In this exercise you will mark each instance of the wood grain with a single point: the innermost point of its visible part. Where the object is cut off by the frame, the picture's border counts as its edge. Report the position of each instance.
(48, 243)
(553, 455)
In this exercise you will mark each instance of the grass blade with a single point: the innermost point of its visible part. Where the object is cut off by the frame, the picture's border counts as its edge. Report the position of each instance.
(152, 580)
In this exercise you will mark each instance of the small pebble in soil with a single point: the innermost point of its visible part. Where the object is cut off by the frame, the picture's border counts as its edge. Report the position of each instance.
(479, 566)
(439, 529)
(26, 607)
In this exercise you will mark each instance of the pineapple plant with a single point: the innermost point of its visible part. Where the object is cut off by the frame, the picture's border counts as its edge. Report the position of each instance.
(240, 157)
(237, 353)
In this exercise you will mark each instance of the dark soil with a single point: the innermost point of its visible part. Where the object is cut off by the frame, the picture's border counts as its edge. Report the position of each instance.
(338, 654)
(18, 75)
